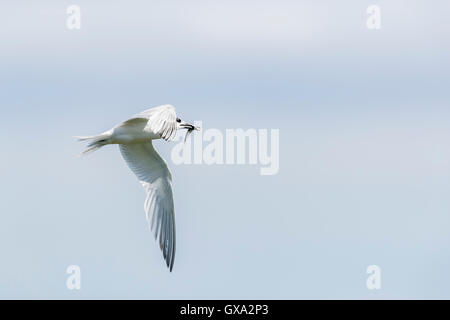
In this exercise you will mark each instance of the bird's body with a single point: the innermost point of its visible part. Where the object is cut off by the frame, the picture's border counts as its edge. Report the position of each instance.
(129, 132)
(134, 137)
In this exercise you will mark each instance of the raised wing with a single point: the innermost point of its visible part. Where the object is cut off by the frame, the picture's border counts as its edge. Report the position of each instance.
(161, 120)
(155, 177)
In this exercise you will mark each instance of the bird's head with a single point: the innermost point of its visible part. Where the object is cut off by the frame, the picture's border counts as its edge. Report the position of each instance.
(184, 125)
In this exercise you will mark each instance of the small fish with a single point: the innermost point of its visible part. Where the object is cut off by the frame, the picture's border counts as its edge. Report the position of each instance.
(189, 131)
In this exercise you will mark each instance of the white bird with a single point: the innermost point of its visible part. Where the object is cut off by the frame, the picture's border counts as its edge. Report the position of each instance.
(134, 138)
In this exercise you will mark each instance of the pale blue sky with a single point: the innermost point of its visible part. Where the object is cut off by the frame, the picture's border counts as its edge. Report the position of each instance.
(364, 148)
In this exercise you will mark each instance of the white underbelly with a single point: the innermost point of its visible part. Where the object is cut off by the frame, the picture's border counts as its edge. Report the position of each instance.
(131, 134)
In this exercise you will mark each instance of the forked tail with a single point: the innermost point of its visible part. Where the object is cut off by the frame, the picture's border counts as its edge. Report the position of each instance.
(96, 142)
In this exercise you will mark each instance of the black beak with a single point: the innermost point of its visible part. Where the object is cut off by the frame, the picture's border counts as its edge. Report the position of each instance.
(188, 126)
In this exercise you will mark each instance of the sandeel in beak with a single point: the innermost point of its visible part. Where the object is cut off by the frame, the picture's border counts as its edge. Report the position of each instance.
(189, 128)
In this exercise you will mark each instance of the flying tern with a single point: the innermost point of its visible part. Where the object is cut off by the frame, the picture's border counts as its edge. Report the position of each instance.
(134, 137)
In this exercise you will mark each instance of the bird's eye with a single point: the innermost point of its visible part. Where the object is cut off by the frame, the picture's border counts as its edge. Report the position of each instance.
(178, 120)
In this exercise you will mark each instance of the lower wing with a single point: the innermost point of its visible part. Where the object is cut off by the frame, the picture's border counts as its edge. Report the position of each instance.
(155, 177)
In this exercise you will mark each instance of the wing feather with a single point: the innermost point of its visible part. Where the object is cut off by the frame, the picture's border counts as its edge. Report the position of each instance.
(155, 177)
(160, 120)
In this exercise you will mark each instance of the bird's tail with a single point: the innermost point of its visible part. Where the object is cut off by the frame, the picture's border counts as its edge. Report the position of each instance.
(96, 142)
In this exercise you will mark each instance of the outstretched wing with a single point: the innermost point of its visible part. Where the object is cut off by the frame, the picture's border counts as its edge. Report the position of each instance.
(161, 120)
(155, 177)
